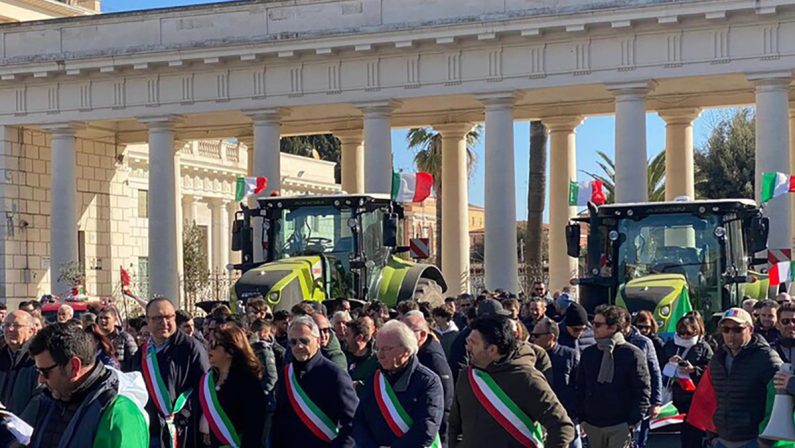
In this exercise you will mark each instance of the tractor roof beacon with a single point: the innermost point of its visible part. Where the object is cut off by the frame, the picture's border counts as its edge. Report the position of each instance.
(323, 248)
(647, 256)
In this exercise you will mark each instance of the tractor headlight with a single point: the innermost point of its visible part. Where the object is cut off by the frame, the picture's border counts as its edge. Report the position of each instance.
(720, 232)
(665, 311)
(613, 235)
(273, 297)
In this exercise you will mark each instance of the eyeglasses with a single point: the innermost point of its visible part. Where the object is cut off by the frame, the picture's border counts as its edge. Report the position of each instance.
(45, 371)
(735, 330)
(296, 341)
(162, 318)
(786, 321)
(214, 344)
(11, 325)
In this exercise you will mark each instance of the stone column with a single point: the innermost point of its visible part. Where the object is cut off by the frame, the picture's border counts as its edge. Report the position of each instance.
(63, 217)
(378, 148)
(220, 233)
(189, 209)
(562, 170)
(163, 245)
(455, 206)
(267, 159)
(772, 149)
(352, 160)
(631, 164)
(501, 262)
(679, 179)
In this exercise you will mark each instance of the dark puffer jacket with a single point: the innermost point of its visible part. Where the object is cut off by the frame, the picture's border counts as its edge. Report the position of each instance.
(742, 392)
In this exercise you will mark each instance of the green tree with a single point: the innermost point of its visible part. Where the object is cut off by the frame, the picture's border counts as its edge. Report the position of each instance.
(725, 164)
(196, 273)
(324, 146)
(655, 176)
(536, 197)
(427, 146)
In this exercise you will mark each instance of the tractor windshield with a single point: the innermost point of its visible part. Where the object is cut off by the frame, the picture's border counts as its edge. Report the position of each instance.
(313, 229)
(677, 243)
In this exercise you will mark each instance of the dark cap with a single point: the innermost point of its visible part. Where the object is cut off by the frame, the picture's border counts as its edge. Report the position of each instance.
(491, 307)
(576, 315)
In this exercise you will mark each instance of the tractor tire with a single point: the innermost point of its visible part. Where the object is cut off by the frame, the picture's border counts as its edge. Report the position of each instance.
(429, 291)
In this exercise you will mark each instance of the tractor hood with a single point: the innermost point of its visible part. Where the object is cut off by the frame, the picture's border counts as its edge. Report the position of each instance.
(650, 292)
(282, 283)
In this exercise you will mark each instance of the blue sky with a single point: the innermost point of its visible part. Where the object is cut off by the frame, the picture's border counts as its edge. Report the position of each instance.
(595, 134)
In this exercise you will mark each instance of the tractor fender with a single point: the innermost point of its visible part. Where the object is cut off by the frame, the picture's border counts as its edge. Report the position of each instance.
(399, 280)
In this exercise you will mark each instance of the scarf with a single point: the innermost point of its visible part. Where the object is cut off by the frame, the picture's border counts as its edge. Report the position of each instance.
(606, 345)
(685, 343)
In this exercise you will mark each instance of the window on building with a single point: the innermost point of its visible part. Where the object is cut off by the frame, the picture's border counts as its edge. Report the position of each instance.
(143, 203)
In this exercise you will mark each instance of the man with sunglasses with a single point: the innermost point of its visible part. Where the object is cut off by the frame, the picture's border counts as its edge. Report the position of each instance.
(740, 372)
(329, 344)
(172, 364)
(315, 400)
(785, 323)
(83, 405)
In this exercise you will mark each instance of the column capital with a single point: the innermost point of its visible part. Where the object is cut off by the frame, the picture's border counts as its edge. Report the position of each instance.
(378, 108)
(680, 115)
(267, 115)
(771, 81)
(497, 101)
(455, 131)
(161, 122)
(68, 129)
(346, 136)
(562, 123)
(631, 89)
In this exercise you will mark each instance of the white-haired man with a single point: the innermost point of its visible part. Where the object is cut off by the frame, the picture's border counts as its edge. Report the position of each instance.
(316, 400)
(65, 313)
(402, 405)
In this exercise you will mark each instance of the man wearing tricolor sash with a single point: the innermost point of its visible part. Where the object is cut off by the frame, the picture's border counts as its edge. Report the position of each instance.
(402, 405)
(316, 401)
(502, 400)
(172, 364)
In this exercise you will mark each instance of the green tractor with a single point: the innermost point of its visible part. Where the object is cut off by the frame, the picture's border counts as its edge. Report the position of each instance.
(323, 248)
(670, 257)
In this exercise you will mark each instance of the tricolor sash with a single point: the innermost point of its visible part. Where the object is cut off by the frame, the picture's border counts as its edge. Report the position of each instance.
(158, 391)
(398, 420)
(219, 422)
(503, 409)
(310, 414)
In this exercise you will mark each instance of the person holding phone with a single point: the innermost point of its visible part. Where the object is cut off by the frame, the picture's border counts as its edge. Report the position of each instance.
(688, 356)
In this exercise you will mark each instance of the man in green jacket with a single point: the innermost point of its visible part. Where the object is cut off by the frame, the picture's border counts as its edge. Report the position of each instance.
(84, 404)
(501, 400)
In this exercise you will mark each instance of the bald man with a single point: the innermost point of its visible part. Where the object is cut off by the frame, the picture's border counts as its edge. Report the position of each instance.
(18, 375)
(431, 355)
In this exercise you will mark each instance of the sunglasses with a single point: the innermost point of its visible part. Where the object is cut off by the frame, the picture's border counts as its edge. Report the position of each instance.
(787, 321)
(296, 341)
(214, 344)
(735, 330)
(45, 371)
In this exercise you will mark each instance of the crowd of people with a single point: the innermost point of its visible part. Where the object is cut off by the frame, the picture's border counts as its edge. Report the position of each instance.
(494, 370)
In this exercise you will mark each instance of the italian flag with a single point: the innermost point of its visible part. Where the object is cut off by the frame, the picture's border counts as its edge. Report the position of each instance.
(669, 415)
(247, 186)
(774, 184)
(411, 187)
(780, 272)
(584, 192)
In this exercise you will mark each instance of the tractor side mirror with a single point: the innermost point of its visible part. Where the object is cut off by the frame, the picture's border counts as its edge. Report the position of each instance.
(760, 226)
(573, 239)
(237, 235)
(390, 229)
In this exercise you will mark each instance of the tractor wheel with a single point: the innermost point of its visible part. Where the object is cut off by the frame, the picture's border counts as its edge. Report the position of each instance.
(428, 290)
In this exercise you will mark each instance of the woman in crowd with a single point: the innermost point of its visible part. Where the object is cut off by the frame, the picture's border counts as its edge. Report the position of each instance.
(232, 403)
(686, 356)
(645, 323)
(106, 352)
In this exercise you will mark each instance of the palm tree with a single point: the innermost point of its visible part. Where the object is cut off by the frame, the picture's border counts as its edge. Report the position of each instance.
(427, 146)
(655, 176)
(536, 196)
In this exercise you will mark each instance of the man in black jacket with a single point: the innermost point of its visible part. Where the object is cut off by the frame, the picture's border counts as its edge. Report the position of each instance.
(564, 362)
(431, 355)
(740, 372)
(18, 376)
(613, 383)
(180, 362)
